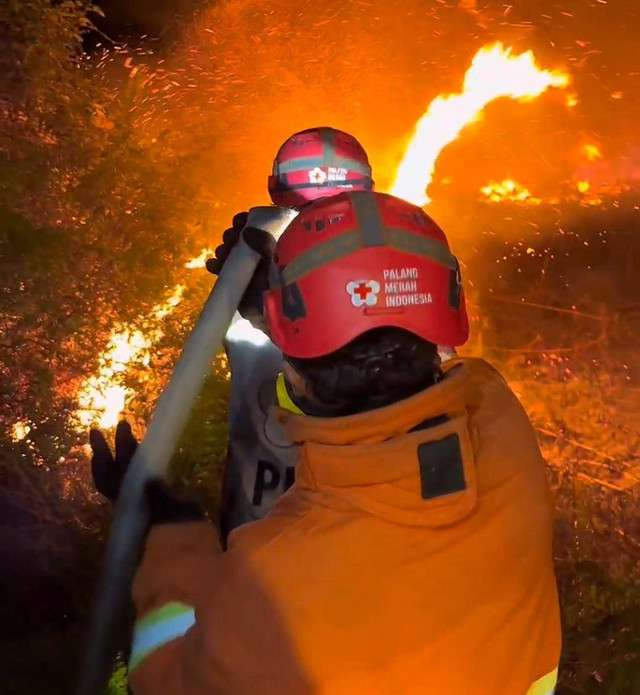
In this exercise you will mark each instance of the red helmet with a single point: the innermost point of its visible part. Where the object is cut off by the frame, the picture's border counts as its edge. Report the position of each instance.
(359, 261)
(317, 163)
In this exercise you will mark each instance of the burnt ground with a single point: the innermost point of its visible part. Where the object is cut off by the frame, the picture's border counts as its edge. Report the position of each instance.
(556, 307)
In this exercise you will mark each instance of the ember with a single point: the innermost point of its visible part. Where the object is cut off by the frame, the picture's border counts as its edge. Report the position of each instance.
(583, 186)
(510, 191)
(592, 151)
(20, 430)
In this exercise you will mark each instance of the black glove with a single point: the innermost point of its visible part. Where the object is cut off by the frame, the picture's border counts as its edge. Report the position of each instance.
(109, 471)
(260, 241)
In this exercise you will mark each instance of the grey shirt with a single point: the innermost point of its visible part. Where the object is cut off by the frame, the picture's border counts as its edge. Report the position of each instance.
(260, 459)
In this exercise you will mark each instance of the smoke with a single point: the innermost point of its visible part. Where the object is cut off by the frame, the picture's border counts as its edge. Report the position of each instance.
(245, 74)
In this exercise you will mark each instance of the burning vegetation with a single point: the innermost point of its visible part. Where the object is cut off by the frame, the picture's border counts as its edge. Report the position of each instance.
(508, 191)
(103, 398)
(494, 73)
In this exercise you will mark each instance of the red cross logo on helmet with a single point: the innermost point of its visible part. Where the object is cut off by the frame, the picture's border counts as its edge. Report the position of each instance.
(317, 176)
(363, 292)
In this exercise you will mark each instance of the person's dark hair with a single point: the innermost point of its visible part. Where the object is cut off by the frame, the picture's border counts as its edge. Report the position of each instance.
(378, 368)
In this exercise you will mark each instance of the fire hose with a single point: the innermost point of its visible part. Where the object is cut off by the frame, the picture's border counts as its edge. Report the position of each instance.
(152, 457)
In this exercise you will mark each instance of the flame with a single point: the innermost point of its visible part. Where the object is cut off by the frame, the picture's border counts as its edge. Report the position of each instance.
(592, 151)
(102, 397)
(20, 430)
(493, 73)
(508, 190)
(165, 309)
(588, 195)
(199, 261)
(582, 192)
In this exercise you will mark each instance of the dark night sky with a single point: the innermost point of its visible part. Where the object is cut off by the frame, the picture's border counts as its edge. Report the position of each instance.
(611, 27)
(135, 17)
(127, 19)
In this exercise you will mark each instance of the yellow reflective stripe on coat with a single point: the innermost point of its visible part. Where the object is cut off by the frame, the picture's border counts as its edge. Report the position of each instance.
(546, 685)
(159, 627)
(284, 399)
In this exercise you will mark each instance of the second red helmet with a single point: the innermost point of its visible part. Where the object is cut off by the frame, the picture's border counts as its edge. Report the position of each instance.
(317, 163)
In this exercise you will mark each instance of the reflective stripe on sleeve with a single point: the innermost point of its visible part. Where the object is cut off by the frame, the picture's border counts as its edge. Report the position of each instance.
(546, 685)
(159, 627)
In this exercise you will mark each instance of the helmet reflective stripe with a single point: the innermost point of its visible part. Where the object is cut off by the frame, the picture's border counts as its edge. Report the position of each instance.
(328, 138)
(344, 245)
(365, 184)
(317, 163)
(370, 232)
(419, 246)
(308, 163)
(159, 627)
(322, 253)
(357, 261)
(545, 685)
(369, 222)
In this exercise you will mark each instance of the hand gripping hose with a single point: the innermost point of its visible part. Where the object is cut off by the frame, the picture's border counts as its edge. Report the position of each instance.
(152, 457)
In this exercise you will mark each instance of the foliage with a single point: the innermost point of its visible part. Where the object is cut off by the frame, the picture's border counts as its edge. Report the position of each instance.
(96, 221)
(95, 217)
(601, 617)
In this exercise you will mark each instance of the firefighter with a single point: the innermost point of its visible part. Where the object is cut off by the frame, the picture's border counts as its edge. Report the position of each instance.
(311, 164)
(413, 553)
